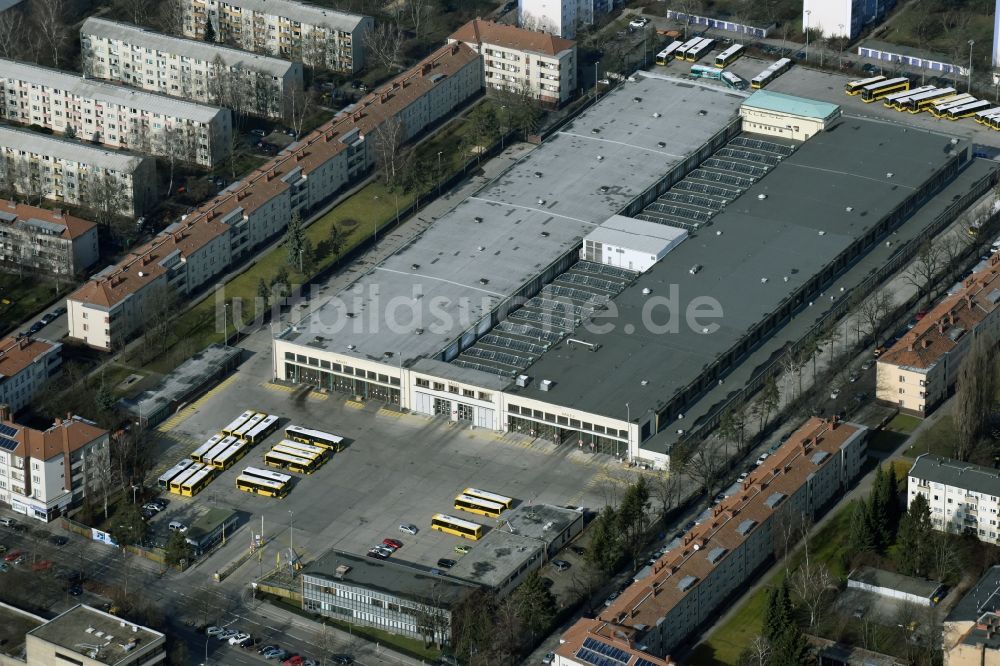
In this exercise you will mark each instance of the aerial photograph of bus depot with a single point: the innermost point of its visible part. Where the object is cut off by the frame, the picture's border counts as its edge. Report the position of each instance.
(500, 333)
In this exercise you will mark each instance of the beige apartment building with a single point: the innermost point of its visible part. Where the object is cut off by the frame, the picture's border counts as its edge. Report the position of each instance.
(114, 115)
(918, 372)
(43, 473)
(194, 70)
(46, 241)
(316, 36)
(514, 59)
(972, 627)
(187, 255)
(75, 173)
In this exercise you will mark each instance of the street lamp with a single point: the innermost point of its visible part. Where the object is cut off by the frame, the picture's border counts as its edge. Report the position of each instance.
(225, 325)
(808, 12)
(971, 43)
(502, 128)
(439, 172)
(291, 539)
(596, 77)
(843, 37)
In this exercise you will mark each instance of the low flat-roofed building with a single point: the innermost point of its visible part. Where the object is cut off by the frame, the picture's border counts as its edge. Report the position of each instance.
(391, 595)
(114, 115)
(14, 624)
(85, 636)
(788, 116)
(717, 558)
(47, 241)
(918, 372)
(963, 498)
(629, 243)
(894, 585)
(500, 560)
(191, 69)
(210, 528)
(73, 172)
(26, 364)
(906, 56)
(553, 526)
(538, 64)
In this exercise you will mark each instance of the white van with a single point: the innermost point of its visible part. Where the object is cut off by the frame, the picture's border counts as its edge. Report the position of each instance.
(407, 528)
(177, 526)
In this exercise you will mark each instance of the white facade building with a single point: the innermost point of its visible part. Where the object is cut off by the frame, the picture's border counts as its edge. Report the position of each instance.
(313, 35)
(26, 364)
(113, 115)
(842, 18)
(45, 472)
(194, 70)
(631, 244)
(560, 17)
(37, 165)
(963, 498)
(48, 241)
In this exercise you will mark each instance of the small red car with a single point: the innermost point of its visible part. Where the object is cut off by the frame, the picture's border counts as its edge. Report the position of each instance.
(392, 543)
(12, 555)
(295, 660)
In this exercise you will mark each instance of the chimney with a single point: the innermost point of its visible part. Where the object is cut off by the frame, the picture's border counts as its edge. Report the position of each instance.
(58, 421)
(426, 69)
(909, 347)
(454, 48)
(951, 318)
(968, 301)
(4, 412)
(940, 326)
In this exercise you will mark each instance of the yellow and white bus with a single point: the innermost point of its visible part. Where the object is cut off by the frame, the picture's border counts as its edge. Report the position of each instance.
(259, 432)
(198, 455)
(456, 526)
(475, 505)
(666, 55)
(503, 500)
(248, 425)
(776, 69)
(729, 56)
(919, 102)
(175, 471)
(197, 482)
(238, 421)
(876, 91)
(178, 481)
(263, 482)
(285, 459)
(236, 450)
(315, 437)
(968, 109)
(306, 448)
(854, 87)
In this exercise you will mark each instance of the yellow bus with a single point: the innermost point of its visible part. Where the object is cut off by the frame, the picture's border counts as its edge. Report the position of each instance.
(260, 431)
(248, 425)
(283, 459)
(175, 471)
(480, 506)
(197, 482)
(729, 56)
(238, 421)
(263, 482)
(876, 91)
(236, 450)
(178, 481)
(315, 437)
(462, 528)
(666, 55)
(854, 87)
(306, 448)
(198, 455)
(503, 500)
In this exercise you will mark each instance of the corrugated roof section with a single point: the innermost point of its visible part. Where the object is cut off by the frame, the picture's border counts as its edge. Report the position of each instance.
(798, 106)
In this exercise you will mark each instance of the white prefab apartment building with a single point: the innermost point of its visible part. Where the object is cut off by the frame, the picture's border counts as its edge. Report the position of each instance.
(560, 17)
(189, 254)
(963, 498)
(517, 60)
(188, 68)
(48, 241)
(26, 364)
(33, 164)
(45, 472)
(313, 35)
(113, 115)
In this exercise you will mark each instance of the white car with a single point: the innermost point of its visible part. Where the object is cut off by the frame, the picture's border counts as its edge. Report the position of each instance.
(407, 528)
(834, 394)
(638, 22)
(763, 457)
(239, 639)
(549, 658)
(743, 477)
(214, 631)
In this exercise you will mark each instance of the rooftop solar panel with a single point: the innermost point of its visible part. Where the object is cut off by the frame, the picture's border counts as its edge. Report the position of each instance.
(617, 654)
(7, 430)
(7, 444)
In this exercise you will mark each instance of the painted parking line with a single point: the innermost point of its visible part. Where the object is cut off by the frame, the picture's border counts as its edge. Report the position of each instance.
(354, 404)
(282, 388)
(186, 412)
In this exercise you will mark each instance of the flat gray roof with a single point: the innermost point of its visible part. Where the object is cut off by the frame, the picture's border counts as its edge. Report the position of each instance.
(496, 557)
(67, 149)
(392, 576)
(303, 13)
(785, 239)
(14, 624)
(192, 48)
(894, 581)
(108, 92)
(494, 243)
(985, 480)
(543, 522)
(83, 626)
(984, 597)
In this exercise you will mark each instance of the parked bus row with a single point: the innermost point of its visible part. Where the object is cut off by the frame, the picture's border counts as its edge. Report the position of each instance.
(302, 451)
(941, 102)
(694, 50)
(187, 478)
(773, 71)
(472, 500)
(264, 482)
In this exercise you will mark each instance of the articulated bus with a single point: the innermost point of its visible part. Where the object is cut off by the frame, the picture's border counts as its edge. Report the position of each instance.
(300, 453)
(876, 91)
(175, 471)
(918, 103)
(729, 56)
(854, 87)
(503, 500)
(941, 108)
(249, 425)
(260, 432)
(775, 70)
(240, 420)
(699, 50)
(315, 437)
(966, 110)
(226, 459)
(263, 482)
(893, 100)
(286, 459)
(199, 454)
(463, 528)
(197, 482)
(480, 506)
(666, 55)
(983, 117)
(310, 449)
(178, 481)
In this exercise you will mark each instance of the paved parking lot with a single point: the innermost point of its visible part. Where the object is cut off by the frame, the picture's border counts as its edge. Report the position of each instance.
(397, 469)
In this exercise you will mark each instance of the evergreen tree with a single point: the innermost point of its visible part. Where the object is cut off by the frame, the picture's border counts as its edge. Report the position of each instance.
(914, 550)
(778, 614)
(605, 541)
(535, 605)
(791, 648)
(263, 295)
(209, 31)
(878, 510)
(862, 534)
(295, 241)
(177, 548)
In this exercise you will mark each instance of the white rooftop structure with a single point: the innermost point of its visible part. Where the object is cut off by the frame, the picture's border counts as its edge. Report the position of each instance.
(629, 243)
(301, 12)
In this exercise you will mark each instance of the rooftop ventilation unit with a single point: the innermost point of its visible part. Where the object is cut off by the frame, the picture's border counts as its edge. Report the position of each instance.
(351, 347)
(545, 385)
(656, 114)
(522, 380)
(646, 291)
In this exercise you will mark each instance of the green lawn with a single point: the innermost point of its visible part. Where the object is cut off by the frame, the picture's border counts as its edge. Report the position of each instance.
(893, 434)
(939, 439)
(23, 297)
(933, 26)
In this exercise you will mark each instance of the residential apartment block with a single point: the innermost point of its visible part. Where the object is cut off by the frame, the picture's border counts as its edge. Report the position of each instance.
(188, 68)
(26, 364)
(45, 472)
(689, 583)
(560, 17)
(516, 59)
(85, 636)
(74, 173)
(113, 115)
(843, 18)
(917, 372)
(313, 35)
(972, 627)
(47, 241)
(391, 596)
(248, 213)
(963, 498)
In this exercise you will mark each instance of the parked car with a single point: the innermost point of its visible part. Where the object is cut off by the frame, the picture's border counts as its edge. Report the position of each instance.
(549, 657)
(376, 554)
(239, 639)
(214, 631)
(407, 528)
(12, 555)
(267, 648)
(160, 502)
(867, 365)
(59, 540)
(177, 526)
(227, 634)
(294, 660)
(8, 522)
(463, 549)
(75, 590)
(342, 659)
(151, 506)
(742, 477)
(276, 654)
(639, 22)
(4, 567)
(834, 394)
(611, 599)
(761, 459)
(446, 563)
(392, 543)
(258, 132)
(560, 565)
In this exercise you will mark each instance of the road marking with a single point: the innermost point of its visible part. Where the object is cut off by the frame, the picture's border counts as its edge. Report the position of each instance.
(354, 404)
(186, 412)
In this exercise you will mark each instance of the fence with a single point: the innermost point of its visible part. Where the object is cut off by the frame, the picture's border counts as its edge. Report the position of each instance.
(720, 24)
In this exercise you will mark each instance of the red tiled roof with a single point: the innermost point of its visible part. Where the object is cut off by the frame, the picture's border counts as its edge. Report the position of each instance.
(265, 183)
(61, 437)
(939, 331)
(17, 354)
(478, 31)
(614, 635)
(72, 226)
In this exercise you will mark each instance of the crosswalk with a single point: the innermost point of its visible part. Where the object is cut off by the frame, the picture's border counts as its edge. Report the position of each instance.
(186, 412)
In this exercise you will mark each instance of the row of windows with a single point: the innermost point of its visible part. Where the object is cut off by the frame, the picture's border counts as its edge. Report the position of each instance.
(451, 388)
(566, 421)
(344, 369)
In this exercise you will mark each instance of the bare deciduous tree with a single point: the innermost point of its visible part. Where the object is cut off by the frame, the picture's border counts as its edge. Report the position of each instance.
(873, 311)
(813, 584)
(49, 17)
(170, 17)
(923, 271)
(384, 40)
(107, 197)
(974, 391)
(11, 34)
(389, 157)
(418, 11)
(705, 467)
(300, 104)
